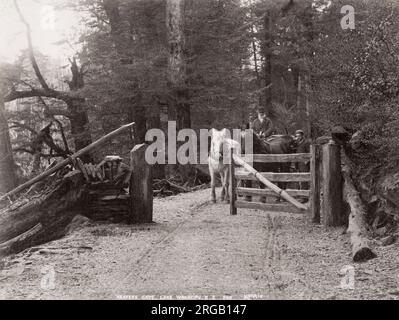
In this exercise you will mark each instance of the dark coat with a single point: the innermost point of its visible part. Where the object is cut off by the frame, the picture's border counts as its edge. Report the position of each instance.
(265, 128)
(303, 147)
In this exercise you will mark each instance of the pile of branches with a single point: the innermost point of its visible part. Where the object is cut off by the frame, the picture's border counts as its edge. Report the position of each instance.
(176, 184)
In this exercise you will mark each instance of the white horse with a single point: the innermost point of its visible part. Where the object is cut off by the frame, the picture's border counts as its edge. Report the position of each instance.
(218, 161)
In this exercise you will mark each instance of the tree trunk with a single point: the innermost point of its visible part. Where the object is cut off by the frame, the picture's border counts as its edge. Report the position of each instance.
(77, 107)
(137, 114)
(154, 122)
(8, 179)
(119, 31)
(80, 129)
(308, 109)
(178, 104)
(255, 56)
(177, 65)
(120, 38)
(268, 62)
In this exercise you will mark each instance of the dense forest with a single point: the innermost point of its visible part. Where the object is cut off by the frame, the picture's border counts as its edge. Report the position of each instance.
(209, 63)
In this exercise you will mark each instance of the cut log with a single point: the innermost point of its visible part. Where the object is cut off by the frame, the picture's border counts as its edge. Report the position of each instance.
(357, 226)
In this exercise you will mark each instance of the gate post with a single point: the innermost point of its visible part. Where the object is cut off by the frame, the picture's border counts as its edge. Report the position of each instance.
(141, 196)
(315, 157)
(332, 185)
(233, 185)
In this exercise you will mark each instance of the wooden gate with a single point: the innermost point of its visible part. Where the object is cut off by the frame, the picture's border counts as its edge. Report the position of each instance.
(240, 169)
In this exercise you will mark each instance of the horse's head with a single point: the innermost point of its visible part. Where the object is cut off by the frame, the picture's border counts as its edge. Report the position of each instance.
(218, 143)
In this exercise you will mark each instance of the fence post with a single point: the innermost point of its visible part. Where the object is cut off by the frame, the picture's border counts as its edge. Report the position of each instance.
(315, 153)
(233, 185)
(141, 197)
(332, 185)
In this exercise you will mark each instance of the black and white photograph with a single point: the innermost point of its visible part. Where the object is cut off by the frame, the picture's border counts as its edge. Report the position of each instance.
(212, 151)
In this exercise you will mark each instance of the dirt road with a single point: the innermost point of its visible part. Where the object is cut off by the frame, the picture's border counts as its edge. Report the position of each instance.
(197, 250)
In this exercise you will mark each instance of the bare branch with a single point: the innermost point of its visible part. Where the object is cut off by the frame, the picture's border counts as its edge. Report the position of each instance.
(14, 94)
(48, 112)
(31, 54)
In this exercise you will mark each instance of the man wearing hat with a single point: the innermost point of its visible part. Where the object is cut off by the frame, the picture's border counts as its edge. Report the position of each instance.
(262, 126)
(302, 144)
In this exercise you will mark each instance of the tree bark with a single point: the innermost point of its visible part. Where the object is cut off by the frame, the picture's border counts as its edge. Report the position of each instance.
(138, 115)
(356, 224)
(122, 42)
(154, 122)
(177, 78)
(267, 53)
(8, 179)
(178, 103)
(77, 107)
(80, 125)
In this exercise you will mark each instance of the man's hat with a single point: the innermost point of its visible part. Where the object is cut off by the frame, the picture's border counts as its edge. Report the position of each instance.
(299, 132)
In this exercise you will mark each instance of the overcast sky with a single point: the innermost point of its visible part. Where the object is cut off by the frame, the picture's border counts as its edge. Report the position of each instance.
(49, 25)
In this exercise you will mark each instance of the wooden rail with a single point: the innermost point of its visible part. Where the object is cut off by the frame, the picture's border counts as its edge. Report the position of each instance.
(280, 158)
(277, 207)
(275, 176)
(266, 192)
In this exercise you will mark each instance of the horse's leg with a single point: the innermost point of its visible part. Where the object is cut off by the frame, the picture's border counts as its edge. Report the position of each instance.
(213, 193)
(227, 183)
(222, 178)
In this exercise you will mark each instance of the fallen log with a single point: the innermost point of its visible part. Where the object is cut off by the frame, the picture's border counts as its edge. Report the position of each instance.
(20, 242)
(357, 229)
(45, 218)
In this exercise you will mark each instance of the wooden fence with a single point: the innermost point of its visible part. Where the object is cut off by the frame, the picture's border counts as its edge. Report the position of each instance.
(324, 166)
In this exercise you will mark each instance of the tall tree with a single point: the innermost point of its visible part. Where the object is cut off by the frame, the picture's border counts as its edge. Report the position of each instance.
(7, 165)
(75, 102)
(179, 108)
